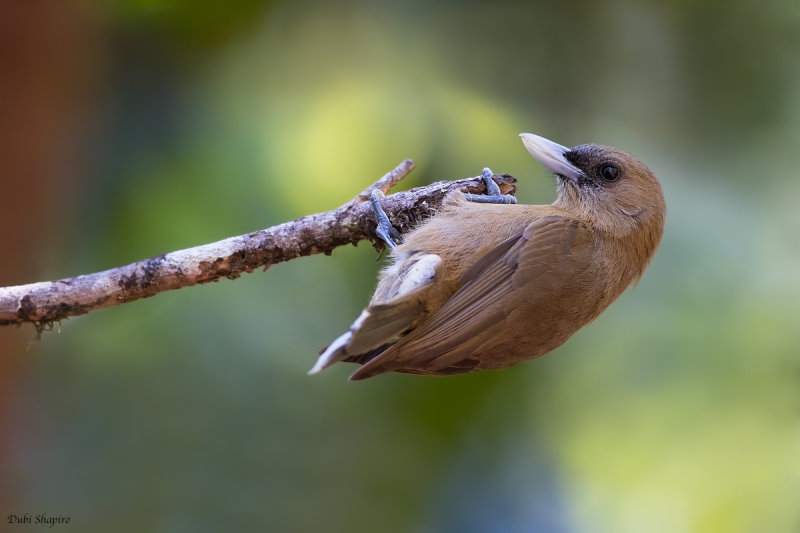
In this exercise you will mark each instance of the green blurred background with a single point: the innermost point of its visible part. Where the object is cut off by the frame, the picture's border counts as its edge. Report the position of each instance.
(133, 128)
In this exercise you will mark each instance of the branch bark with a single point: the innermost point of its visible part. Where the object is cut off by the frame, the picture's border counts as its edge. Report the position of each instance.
(50, 301)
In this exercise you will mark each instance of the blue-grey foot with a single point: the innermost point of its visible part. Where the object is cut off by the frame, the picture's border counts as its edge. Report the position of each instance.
(384, 230)
(493, 194)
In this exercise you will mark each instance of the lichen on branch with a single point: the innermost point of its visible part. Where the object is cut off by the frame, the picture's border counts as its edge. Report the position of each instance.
(46, 302)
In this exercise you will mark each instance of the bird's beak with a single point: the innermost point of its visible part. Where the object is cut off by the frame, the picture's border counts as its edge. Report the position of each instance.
(551, 156)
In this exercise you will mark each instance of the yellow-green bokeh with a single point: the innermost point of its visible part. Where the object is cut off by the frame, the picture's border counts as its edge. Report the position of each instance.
(676, 411)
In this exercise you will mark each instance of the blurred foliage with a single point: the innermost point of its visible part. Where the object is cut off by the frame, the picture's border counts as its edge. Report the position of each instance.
(677, 410)
(194, 26)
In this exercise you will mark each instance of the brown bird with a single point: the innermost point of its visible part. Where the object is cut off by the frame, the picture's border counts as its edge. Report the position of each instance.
(485, 286)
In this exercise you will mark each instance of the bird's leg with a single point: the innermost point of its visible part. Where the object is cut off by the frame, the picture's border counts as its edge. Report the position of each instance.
(493, 194)
(385, 230)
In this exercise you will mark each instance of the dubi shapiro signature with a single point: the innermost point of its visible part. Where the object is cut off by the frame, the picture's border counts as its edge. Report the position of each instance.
(41, 518)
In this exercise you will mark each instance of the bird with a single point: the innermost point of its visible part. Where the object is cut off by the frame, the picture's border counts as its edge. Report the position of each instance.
(487, 283)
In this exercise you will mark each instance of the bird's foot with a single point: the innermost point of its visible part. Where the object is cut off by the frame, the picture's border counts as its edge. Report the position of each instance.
(385, 230)
(493, 194)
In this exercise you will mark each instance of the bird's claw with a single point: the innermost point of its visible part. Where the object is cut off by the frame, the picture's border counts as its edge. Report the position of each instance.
(384, 229)
(493, 194)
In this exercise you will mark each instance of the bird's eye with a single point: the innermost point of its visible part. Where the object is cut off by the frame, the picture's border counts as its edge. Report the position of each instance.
(609, 173)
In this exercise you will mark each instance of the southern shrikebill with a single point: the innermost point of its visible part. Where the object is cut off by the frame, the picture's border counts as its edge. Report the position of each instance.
(488, 283)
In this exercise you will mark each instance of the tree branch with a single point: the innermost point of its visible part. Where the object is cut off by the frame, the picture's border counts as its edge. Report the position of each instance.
(49, 301)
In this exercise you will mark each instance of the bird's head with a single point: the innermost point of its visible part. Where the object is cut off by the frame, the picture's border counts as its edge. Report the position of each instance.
(613, 190)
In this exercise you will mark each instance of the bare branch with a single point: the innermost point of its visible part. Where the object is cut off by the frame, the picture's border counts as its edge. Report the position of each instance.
(45, 302)
(389, 180)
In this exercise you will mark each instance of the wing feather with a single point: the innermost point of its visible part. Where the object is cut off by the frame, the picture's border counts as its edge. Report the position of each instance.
(447, 340)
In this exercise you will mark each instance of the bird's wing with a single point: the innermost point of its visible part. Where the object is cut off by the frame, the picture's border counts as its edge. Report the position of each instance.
(446, 341)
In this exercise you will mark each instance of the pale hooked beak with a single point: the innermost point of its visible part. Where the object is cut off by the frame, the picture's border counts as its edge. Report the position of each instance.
(551, 156)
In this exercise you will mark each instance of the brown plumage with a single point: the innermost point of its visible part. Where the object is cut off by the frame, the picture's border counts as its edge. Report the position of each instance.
(483, 286)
